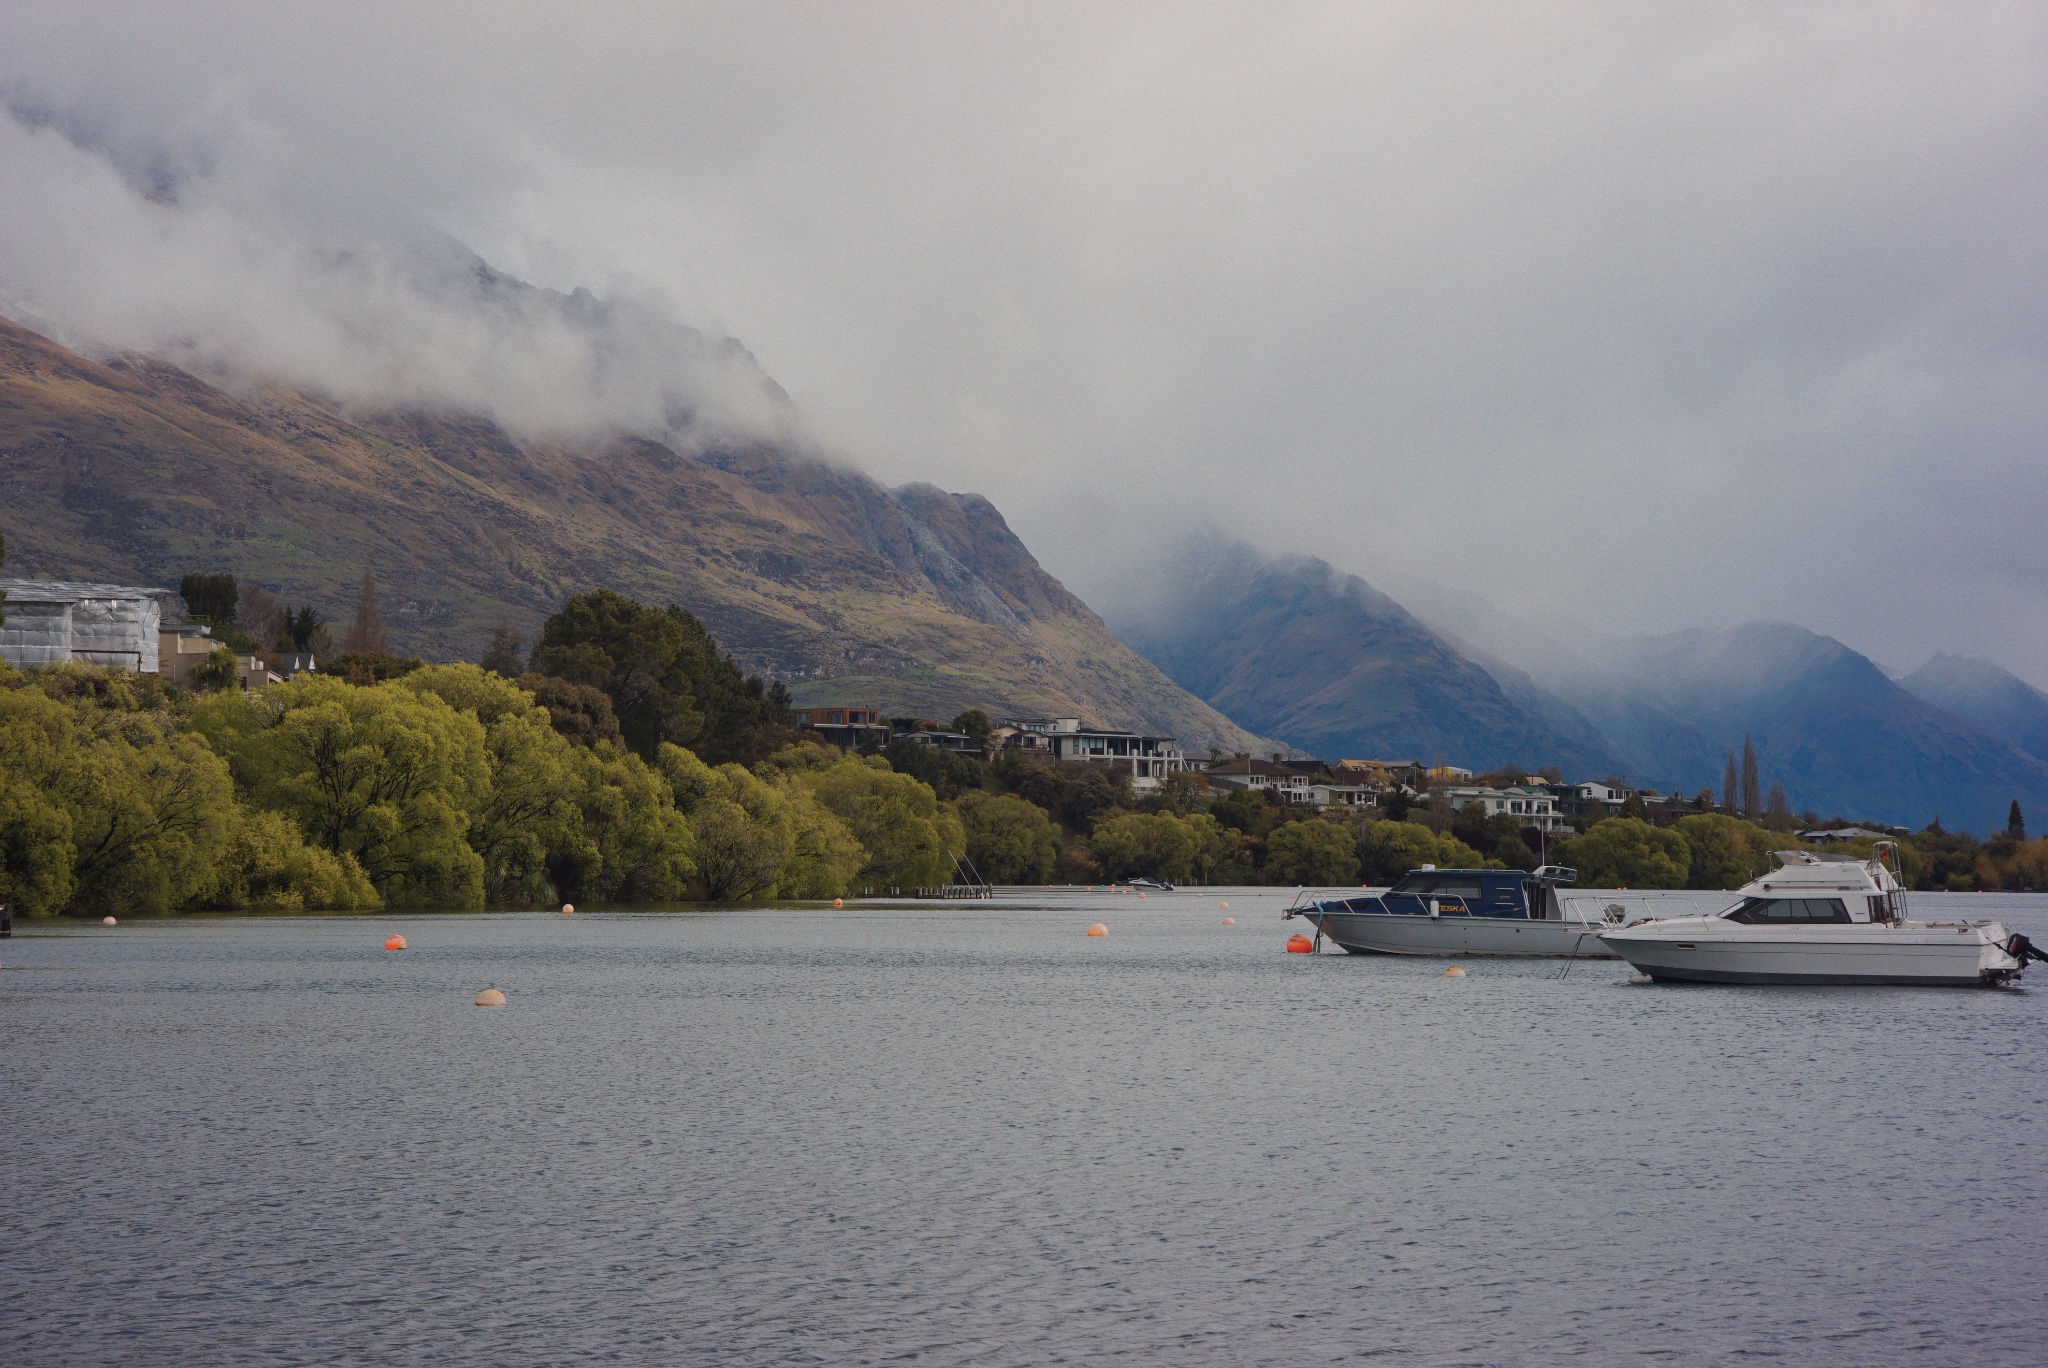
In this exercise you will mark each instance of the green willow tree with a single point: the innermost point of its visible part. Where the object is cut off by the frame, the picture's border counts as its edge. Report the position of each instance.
(1312, 852)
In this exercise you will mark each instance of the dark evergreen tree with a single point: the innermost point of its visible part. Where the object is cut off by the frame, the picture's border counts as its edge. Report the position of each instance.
(1729, 791)
(1752, 783)
(665, 676)
(502, 656)
(306, 628)
(210, 598)
(2015, 824)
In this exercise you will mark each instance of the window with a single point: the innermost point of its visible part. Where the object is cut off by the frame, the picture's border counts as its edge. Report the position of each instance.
(1431, 886)
(1785, 911)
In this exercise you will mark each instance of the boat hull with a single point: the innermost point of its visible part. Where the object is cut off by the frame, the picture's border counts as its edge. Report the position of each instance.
(1863, 955)
(1379, 933)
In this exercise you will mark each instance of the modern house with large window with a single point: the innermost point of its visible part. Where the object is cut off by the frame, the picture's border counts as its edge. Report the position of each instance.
(849, 728)
(1148, 759)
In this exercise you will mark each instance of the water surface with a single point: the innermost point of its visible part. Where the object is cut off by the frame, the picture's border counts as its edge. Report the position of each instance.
(970, 1134)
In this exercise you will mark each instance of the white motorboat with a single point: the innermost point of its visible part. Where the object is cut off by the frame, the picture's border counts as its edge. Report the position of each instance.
(1820, 919)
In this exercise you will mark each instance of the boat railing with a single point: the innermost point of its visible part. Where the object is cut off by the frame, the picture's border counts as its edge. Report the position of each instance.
(1895, 865)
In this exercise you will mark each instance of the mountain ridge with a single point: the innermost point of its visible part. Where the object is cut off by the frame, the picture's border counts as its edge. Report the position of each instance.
(1990, 695)
(913, 599)
(1840, 734)
(1331, 665)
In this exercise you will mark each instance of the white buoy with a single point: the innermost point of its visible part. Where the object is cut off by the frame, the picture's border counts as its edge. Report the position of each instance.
(106, 921)
(568, 908)
(490, 997)
(1640, 978)
(1230, 921)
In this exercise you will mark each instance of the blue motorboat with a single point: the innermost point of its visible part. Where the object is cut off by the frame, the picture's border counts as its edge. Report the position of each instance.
(1434, 911)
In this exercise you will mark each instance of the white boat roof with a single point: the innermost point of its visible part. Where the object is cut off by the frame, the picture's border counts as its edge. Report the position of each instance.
(1812, 871)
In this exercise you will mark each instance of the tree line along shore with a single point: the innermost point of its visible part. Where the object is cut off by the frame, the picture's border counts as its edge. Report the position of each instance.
(626, 759)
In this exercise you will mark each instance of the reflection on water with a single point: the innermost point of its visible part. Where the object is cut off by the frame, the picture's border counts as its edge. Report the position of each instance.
(975, 1135)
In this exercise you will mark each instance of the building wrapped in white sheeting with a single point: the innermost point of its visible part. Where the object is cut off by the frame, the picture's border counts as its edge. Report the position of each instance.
(50, 622)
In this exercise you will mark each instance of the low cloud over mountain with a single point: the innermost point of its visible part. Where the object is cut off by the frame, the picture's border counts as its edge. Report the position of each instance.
(1328, 664)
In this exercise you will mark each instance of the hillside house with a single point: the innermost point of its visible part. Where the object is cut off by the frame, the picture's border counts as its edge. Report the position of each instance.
(180, 648)
(847, 727)
(1536, 807)
(1411, 773)
(1606, 794)
(1260, 776)
(959, 742)
(1148, 759)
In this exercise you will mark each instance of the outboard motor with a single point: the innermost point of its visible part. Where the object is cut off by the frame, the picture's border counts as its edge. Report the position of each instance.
(2022, 949)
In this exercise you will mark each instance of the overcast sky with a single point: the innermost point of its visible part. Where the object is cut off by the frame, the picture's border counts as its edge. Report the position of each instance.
(1650, 316)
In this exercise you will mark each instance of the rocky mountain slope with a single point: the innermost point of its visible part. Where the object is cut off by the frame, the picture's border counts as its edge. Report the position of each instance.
(1328, 664)
(912, 599)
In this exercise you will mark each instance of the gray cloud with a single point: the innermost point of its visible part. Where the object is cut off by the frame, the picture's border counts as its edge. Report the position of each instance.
(1647, 316)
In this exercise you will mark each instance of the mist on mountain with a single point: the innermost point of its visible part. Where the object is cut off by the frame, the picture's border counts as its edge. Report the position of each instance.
(1842, 737)
(198, 259)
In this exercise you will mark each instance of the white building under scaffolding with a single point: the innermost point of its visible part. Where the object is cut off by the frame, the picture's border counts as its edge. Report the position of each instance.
(53, 623)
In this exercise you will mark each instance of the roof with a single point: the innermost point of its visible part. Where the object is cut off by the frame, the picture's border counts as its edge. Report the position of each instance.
(68, 591)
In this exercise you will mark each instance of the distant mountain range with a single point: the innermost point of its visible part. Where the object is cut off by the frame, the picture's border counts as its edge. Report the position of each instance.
(1325, 662)
(912, 599)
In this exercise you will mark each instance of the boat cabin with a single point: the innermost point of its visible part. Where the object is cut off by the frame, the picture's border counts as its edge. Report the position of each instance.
(1813, 886)
(1431, 892)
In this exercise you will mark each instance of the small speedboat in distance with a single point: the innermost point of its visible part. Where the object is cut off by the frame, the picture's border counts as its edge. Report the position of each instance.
(1433, 911)
(1824, 919)
(1145, 885)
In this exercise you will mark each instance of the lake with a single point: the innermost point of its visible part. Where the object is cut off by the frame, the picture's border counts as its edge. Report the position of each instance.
(953, 1134)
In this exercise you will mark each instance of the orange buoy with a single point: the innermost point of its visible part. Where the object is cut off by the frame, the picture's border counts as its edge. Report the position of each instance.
(568, 909)
(1454, 972)
(394, 942)
(1230, 921)
(1225, 904)
(1098, 929)
(839, 902)
(106, 921)
(1298, 944)
(490, 997)
(1141, 895)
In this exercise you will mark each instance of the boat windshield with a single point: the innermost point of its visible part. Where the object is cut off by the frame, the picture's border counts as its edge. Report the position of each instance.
(1780, 911)
(1437, 886)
